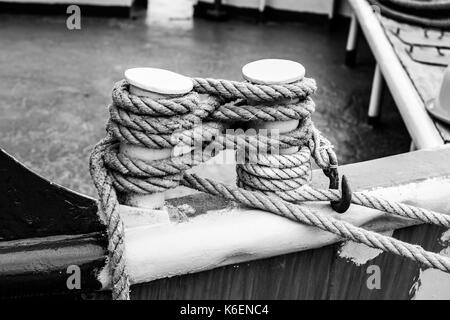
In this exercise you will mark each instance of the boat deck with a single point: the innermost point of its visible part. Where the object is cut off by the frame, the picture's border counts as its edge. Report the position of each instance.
(52, 111)
(55, 90)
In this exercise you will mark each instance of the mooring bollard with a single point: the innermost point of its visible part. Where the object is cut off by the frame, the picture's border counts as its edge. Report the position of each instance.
(156, 84)
(274, 71)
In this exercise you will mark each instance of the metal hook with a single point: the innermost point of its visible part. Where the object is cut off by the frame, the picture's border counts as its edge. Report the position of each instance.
(344, 203)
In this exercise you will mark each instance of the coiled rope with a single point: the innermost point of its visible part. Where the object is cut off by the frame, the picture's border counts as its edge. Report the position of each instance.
(270, 181)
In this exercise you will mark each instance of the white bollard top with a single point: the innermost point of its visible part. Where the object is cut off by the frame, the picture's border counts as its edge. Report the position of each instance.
(273, 71)
(159, 81)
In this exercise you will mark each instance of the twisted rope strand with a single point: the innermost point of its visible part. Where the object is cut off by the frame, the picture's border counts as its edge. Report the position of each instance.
(273, 182)
(306, 193)
(239, 111)
(110, 215)
(146, 106)
(297, 213)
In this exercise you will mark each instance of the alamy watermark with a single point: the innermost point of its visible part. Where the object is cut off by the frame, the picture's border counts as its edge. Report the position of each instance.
(73, 281)
(373, 281)
(73, 21)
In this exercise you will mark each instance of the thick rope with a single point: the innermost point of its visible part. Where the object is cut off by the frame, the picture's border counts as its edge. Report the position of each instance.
(275, 182)
(343, 229)
(109, 208)
(239, 111)
(232, 90)
(122, 164)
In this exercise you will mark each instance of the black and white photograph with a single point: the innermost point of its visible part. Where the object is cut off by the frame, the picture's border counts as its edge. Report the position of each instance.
(228, 158)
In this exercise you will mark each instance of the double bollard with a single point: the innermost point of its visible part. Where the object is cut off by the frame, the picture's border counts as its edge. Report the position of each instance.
(163, 84)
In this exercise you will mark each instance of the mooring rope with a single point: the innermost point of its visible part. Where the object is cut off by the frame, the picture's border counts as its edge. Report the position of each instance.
(343, 229)
(269, 179)
(109, 208)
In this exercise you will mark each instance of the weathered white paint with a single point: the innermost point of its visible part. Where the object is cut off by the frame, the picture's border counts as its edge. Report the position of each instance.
(134, 217)
(236, 234)
(434, 284)
(445, 238)
(359, 253)
(419, 124)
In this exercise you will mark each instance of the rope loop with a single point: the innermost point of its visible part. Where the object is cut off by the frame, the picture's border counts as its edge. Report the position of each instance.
(273, 175)
(232, 90)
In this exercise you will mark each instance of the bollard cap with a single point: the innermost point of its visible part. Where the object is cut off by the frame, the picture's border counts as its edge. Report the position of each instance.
(273, 71)
(440, 107)
(159, 81)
